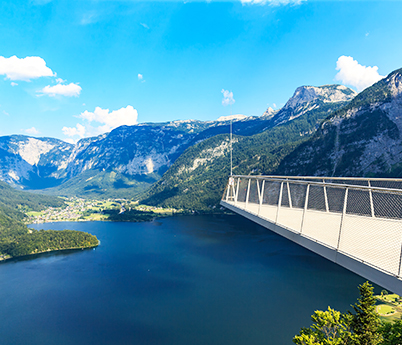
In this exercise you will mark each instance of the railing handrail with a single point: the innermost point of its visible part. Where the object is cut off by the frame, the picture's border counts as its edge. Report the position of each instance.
(294, 179)
(350, 178)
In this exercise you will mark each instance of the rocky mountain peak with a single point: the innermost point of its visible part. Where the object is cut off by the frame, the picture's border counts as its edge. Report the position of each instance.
(269, 113)
(308, 98)
(326, 93)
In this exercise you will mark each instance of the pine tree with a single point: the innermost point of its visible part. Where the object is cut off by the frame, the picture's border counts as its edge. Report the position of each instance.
(365, 322)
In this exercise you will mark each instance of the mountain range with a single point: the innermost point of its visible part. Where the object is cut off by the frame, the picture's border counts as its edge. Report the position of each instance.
(327, 130)
(125, 161)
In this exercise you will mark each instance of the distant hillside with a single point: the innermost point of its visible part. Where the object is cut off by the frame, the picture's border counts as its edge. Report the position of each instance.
(361, 139)
(196, 180)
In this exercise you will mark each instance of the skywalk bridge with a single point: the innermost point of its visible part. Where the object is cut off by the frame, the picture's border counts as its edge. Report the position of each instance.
(354, 222)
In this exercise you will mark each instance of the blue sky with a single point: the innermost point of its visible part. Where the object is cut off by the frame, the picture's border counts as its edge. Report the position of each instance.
(84, 67)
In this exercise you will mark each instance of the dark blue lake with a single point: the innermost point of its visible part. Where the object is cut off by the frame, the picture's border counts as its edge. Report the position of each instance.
(181, 280)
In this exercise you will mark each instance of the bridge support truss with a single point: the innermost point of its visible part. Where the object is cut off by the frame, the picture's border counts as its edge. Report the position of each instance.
(354, 222)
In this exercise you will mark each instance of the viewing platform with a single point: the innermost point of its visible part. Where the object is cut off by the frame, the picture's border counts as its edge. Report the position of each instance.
(354, 222)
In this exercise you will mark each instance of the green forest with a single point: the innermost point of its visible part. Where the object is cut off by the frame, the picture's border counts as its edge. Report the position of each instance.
(15, 237)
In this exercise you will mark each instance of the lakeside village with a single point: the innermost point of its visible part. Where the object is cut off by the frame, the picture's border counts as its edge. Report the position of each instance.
(78, 209)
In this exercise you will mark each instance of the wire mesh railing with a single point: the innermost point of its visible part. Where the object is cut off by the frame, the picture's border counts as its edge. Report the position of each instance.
(360, 217)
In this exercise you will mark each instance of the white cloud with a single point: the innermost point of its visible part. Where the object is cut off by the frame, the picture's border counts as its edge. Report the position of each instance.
(353, 74)
(144, 25)
(73, 131)
(69, 90)
(105, 119)
(13, 84)
(227, 97)
(124, 116)
(32, 130)
(25, 69)
(140, 76)
(272, 2)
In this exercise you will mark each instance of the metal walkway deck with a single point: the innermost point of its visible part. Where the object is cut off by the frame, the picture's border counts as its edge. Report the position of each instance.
(355, 222)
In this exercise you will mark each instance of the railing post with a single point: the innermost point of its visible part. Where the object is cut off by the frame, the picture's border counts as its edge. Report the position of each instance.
(279, 203)
(289, 197)
(305, 208)
(345, 203)
(248, 191)
(261, 196)
(237, 189)
(400, 263)
(326, 198)
(371, 200)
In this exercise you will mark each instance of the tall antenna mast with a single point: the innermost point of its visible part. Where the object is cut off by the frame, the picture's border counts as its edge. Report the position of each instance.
(231, 155)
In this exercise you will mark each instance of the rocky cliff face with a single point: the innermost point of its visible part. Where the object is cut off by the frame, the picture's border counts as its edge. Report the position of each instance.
(308, 98)
(25, 158)
(363, 138)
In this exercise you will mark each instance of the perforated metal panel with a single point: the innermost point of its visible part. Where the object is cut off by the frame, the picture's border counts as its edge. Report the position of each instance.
(316, 198)
(271, 192)
(242, 190)
(298, 194)
(359, 202)
(336, 199)
(387, 205)
(285, 195)
(372, 240)
(253, 194)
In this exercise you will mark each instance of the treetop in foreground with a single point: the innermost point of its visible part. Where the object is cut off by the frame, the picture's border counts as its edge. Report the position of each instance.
(363, 327)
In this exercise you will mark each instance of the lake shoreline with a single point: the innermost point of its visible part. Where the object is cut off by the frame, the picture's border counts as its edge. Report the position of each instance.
(4, 259)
